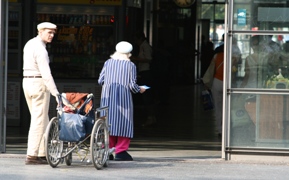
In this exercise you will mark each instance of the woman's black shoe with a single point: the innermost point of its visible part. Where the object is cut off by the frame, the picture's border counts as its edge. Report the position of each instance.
(111, 157)
(123, 156)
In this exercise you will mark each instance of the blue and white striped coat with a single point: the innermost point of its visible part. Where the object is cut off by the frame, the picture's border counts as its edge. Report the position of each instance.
(118, 80)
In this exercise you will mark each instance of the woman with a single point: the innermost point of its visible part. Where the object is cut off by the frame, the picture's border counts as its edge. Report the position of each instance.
(252, 64)
(118, 80)
(217, 89)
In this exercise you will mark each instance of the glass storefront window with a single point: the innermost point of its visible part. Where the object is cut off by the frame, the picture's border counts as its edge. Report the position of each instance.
(259, 120)
(212, 1)
(260, 15)
(257, 102)
(264, 62)
(81, 45)
(215, 12)
(220, 11)
(216, 34)
(207, 11)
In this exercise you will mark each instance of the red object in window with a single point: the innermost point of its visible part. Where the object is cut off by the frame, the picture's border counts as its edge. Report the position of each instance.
(280, 37)
(111, 19)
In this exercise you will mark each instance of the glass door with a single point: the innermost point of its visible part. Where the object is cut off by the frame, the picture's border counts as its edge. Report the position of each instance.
(212, 30)
(3, 71)
(215, 12)
(255, 115)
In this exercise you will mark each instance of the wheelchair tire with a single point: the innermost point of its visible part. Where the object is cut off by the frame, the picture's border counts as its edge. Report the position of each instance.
(68, 158)
(53, 146)
(99, 143)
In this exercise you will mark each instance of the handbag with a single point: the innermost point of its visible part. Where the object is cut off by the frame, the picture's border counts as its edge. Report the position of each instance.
(207, 99)
(209, 75)
(210, 72)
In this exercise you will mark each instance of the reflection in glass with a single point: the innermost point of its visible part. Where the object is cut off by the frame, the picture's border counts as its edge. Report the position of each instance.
(207, 11)
(215, 12)
(220, 11)
(216, 34)
(259, 120)
(260, 15)
(264, 65)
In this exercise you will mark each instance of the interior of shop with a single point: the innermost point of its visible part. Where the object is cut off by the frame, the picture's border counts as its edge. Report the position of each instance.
(86, 37)
(186, 34)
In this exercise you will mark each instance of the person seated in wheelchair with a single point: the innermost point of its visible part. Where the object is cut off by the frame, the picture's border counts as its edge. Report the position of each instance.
(74, 101)
(77, 116)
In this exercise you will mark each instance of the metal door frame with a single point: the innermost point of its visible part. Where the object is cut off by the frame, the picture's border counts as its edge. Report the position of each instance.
(3, 71)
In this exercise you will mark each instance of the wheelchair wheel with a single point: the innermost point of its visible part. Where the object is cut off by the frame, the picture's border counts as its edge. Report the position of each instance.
(68, 158)
(53, 146)
(99, 144)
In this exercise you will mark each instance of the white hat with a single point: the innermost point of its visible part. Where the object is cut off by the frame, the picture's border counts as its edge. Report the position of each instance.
(46, 25)
(123, 47)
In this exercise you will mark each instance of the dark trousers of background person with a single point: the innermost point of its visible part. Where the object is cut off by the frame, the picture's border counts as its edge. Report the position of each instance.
(145, 78)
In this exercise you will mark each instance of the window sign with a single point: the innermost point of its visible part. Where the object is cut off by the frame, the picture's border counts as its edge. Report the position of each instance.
(241, 17)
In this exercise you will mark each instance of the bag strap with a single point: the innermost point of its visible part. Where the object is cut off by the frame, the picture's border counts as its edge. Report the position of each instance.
(60, 103)
(219, 66)
(87, 100)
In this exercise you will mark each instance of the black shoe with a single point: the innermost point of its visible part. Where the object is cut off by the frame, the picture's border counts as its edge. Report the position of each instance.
(111, 150)
(111, 157)
(123, 156)
(34, 160)
(43, 158)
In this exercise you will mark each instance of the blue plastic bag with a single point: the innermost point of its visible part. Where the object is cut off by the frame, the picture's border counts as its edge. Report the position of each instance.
(207, 99)
(72, 127)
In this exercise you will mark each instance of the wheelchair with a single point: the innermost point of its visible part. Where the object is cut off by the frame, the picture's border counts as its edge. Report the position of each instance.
(76, 125)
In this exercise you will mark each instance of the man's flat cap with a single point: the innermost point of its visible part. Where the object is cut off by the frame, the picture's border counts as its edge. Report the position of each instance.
(46, 25)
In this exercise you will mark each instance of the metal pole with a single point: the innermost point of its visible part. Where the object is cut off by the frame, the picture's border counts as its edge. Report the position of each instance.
(226, 104)
(2, 145)
(3, 71)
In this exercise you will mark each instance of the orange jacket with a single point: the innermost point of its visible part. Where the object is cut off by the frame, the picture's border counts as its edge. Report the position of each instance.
(79, 97)
(219, 66)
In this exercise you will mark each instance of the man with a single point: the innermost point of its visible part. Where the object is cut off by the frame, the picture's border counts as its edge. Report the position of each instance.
(143, 61)
(37, 84)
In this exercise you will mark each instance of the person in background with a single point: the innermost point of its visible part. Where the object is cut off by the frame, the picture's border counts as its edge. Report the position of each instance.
(118, 80)
(217, 85)
(37, 85)
(285, 45)
(207, 53)
(217, 88)
(143, 61)
(251, 65)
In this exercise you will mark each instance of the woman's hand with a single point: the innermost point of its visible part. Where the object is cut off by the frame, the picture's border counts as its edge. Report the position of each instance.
(142, 90)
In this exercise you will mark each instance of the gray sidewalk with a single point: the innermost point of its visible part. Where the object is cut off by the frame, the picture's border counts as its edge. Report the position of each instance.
(157, 155)
(152, 160)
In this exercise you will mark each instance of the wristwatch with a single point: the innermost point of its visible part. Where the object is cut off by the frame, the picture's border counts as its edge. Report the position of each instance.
(184, 3)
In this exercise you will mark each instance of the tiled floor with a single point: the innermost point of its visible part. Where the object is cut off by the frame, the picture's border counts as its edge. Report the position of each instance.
(182, 120)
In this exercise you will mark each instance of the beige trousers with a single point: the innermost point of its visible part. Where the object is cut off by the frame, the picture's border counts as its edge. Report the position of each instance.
(37, 97)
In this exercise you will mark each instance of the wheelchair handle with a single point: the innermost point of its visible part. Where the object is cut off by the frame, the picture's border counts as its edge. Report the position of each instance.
(101, 109)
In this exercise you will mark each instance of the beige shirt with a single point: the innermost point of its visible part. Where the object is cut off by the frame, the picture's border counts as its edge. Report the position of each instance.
(36, 63)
